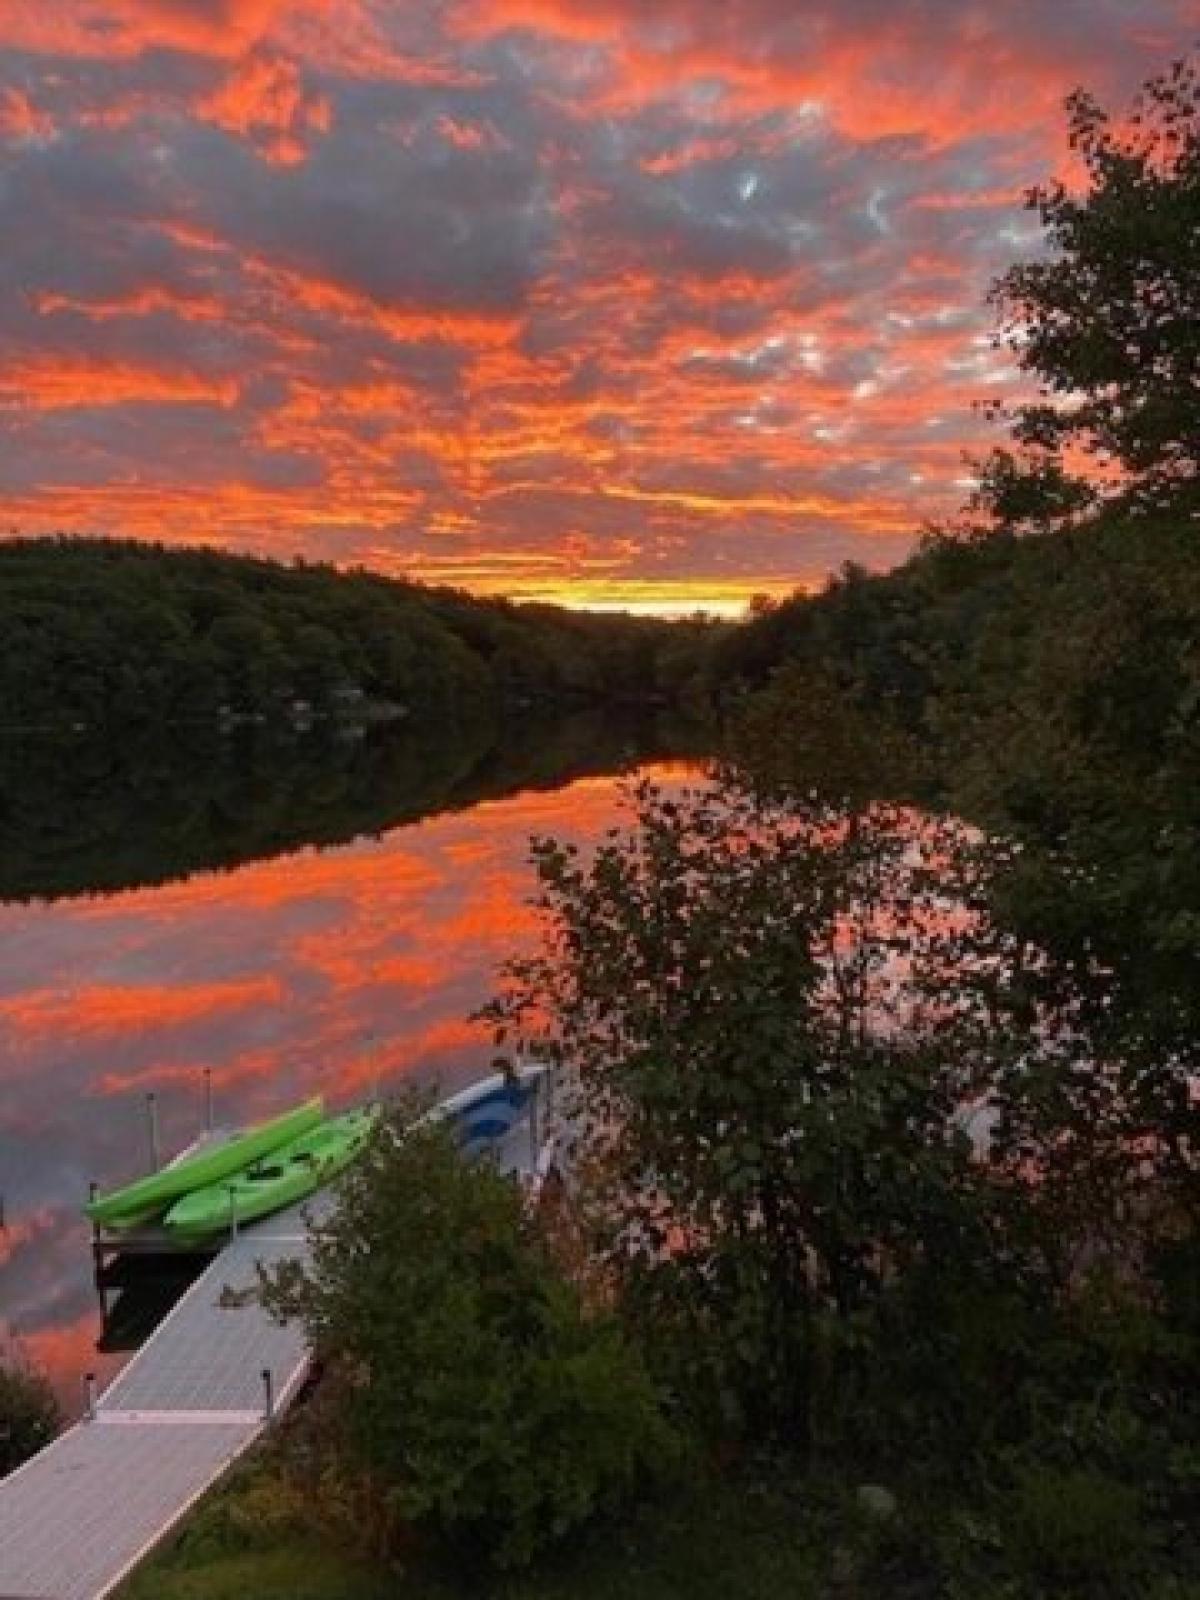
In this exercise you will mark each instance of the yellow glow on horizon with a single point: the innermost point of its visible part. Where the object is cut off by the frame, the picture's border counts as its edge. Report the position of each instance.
(666, 598)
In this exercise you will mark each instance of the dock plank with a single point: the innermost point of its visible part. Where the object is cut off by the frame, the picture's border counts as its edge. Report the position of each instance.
(210, 1353)
(76, 1518)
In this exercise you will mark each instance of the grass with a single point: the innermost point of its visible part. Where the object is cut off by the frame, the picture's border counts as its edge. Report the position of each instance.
(760, 1535)
(297, 1570)
(725, 1541)
(233, 1547)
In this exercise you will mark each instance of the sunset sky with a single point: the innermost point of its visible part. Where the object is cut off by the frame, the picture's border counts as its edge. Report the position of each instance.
(594, 300)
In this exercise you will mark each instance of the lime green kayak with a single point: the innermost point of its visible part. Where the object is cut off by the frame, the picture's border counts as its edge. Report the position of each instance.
(140, 1201)
(289, 1173)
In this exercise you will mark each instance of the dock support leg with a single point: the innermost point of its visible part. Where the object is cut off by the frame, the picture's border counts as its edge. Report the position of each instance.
(89, 1397)
(152, 1128)
(99, 1254)
(535, 1118)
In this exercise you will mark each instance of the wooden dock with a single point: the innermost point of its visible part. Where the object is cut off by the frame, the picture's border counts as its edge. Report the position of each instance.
(78, 1517)
(82, 1513)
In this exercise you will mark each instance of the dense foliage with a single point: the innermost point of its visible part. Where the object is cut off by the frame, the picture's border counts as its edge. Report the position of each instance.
(486, 1404)
(860, 1173)
(1051, 685)
(750, 1141)
(29, 1413)
(1107, 321)
(112, 633)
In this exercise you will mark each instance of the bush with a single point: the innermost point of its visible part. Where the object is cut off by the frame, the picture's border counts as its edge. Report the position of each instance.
(481, 1397)
(29, 1413)
(1078, 1529)
(763, 1101)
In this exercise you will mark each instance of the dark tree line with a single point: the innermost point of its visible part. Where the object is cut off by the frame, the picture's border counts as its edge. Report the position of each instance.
(111, 633)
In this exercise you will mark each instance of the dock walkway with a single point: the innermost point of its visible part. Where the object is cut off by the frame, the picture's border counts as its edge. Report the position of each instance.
(82, 1513)
(79, 1516)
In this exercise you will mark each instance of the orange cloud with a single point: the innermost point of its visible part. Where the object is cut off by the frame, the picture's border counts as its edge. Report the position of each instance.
(576, 301)
(144, 302)
(124, 28)
(64, 383)
(407, 323)
(694, 151)
(21, 119)
(470, 135)
(264, 100)
(875, 80)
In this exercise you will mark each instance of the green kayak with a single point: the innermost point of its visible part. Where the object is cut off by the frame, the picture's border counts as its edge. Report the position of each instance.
(289, 1173)
(140, 1201)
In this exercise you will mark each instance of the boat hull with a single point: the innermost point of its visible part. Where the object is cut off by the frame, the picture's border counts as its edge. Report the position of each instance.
(287, 1174)
(141, 1201)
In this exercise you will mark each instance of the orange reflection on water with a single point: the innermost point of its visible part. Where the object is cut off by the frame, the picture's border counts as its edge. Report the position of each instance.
(108, 1010)
(337, 972)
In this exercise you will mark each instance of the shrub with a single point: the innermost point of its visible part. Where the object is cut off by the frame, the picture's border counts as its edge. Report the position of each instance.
(1077, 1529)
(29, 1413)
(763, 1101)
(485, 1402)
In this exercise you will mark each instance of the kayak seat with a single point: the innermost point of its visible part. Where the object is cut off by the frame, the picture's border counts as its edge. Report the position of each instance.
(485, 1128)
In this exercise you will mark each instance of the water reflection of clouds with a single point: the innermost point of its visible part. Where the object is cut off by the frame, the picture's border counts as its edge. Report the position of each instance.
(325, 971)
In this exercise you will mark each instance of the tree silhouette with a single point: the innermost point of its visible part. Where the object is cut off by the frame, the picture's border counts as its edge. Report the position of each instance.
(1109, 322)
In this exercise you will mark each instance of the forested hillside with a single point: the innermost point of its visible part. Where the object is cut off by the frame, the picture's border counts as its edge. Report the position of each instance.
(111, 632)
(1087, 634)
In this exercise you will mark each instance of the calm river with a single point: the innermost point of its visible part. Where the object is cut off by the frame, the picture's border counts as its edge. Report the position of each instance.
(312, 968)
